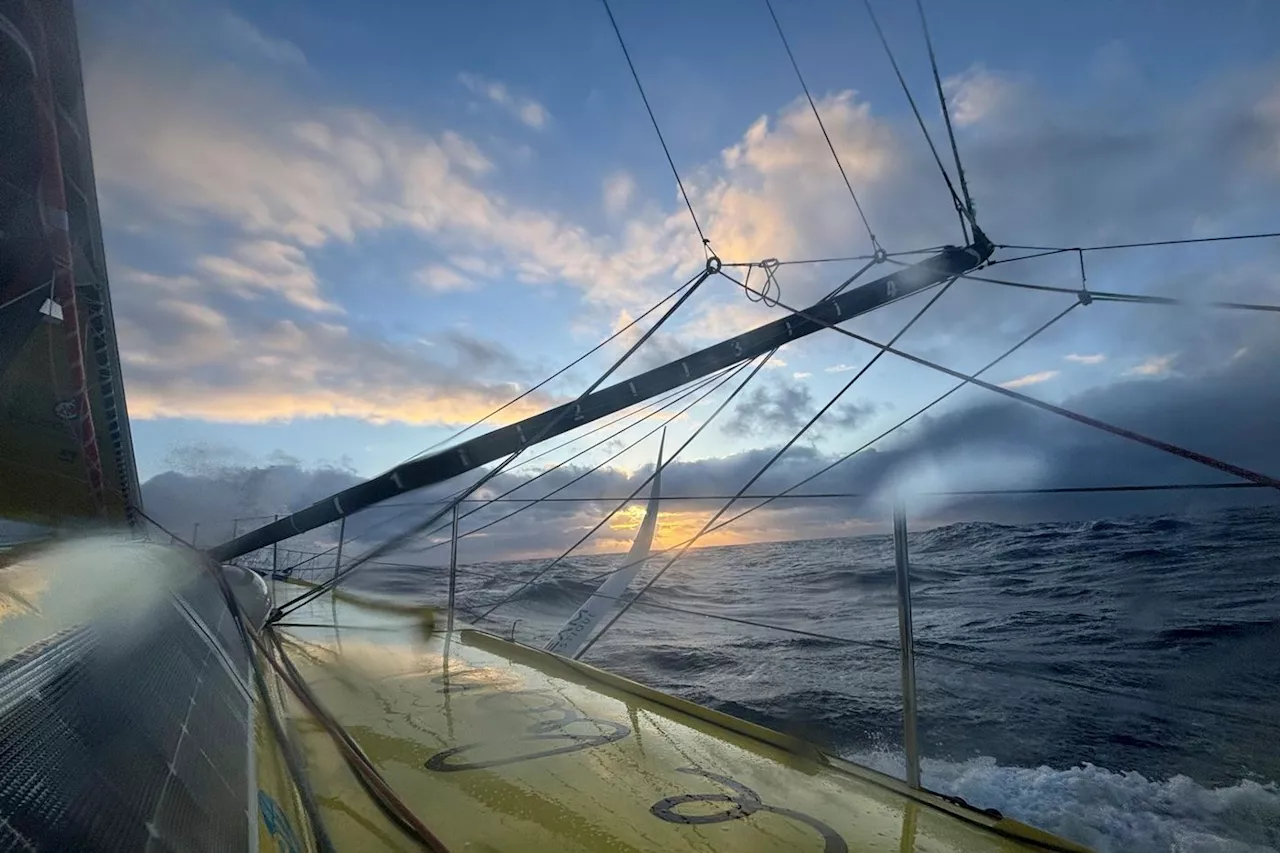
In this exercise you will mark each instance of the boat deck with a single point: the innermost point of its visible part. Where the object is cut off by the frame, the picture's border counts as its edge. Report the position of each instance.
(498, 747)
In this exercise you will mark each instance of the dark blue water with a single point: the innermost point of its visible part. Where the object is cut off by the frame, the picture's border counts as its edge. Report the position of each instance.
(1115, 681)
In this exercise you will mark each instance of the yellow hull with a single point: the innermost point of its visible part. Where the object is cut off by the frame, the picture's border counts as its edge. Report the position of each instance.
(498, 747)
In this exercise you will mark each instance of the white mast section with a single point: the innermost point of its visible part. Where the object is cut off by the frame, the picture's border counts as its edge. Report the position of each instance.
(580, 625)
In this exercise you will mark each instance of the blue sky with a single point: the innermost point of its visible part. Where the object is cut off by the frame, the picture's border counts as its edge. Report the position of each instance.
(338, 232)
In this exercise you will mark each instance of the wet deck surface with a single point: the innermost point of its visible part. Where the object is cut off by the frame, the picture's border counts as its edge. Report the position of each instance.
(499, 747)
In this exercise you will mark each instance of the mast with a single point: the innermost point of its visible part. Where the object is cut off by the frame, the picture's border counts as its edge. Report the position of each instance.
(469, 455)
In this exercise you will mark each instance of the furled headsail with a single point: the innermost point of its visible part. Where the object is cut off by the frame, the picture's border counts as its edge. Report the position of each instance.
(577, 629)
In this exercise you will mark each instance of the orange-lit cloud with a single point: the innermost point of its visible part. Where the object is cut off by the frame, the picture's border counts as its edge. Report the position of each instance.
(185, 359)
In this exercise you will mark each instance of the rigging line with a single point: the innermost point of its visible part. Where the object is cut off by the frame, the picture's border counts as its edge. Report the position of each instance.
(535, 501)
(678, 396)
(960, 208)
(44, 285)
(848, 281)
(394, 565)
(656, 129)
(1050, 490)
(1137, 298)
(888, 431)
(713, 264)
(376, 526)
(946, 115)
(665, 464)
(365, 771)
(526, 461)
(629, 413)
(1176, 450)
(678, 393)
(1046, 253)
(875, 244)
(1003, 669)
(1143, 245)
(763, 468)
(555, 375)
(461, 570)
(783, 263)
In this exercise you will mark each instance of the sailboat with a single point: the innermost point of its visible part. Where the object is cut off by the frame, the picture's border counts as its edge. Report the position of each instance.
(157, 696)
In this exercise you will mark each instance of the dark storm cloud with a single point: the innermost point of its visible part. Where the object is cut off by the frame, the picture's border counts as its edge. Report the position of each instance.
(771, 408)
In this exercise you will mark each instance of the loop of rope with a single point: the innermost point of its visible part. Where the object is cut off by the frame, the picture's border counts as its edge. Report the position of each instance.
(772, 290)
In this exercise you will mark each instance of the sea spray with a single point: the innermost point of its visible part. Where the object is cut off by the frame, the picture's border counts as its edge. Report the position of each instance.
(1112, 812)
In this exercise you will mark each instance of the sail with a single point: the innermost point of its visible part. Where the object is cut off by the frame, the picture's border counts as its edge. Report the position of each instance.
(584, 620)
(65, 448)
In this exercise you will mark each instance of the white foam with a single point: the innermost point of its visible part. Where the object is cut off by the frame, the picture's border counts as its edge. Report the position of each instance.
(1108, 811)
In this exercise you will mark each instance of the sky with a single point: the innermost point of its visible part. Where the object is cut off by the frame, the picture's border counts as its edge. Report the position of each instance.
(337, 233)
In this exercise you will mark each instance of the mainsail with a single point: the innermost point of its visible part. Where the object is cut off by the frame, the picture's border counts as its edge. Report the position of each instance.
(580, 625)
(65, 448)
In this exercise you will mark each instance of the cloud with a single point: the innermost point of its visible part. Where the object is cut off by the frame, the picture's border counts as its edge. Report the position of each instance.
(214, 486)
(443, 279)
(850, 415)
(247, 37)
(1030, 379)
(778, 193)
(184, 358)
(839, 368)
(618, 190)
(801, 375)
(476, 265)
(526, 110)
(1047, 168)
(770, 408)
(976, 94)
(1085, 359)
(1157, 365)
(278, 168)
(268, 266)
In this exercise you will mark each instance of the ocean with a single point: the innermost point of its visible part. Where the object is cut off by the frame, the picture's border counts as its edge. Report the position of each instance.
(1115, 681)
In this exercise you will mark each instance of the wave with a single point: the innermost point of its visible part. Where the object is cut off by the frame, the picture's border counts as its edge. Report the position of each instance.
(1108, 811)
(1209, 631)
(960, 534)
